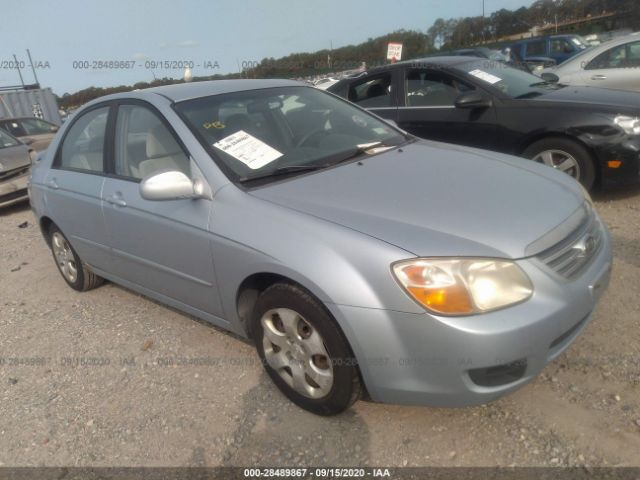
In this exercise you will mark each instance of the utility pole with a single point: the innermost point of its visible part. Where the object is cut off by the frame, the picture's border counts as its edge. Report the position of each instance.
(15, 59)
(33, 69)
(483, 40)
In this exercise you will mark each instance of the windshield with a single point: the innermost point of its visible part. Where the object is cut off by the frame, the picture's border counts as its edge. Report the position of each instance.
(256, 132)
(510, 81)
(7, 140)
(35, 126)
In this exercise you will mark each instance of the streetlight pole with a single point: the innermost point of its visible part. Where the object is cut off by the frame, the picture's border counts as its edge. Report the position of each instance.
(483, 39)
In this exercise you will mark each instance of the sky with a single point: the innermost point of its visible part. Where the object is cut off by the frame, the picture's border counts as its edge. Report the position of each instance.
(74, 43)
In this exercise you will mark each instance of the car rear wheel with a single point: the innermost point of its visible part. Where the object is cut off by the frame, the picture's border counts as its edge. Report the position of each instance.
(565, 155)
(72, 269)
(303, 350)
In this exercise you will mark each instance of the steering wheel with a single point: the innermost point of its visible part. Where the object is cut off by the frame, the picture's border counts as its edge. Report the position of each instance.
(312, 133)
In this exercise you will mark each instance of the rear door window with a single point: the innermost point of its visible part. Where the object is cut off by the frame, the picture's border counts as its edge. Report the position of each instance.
(83, 145)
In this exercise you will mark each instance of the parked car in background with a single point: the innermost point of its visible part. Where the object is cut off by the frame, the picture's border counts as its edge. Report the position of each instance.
(589, 133)
(324, 83)
(352, 253)
(613, 64)
(15, 161)
(506, 55)
(557, 47)
(32, 131)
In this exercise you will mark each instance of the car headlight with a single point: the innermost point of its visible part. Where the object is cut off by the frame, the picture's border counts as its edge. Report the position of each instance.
(463, 286)
(630, 125)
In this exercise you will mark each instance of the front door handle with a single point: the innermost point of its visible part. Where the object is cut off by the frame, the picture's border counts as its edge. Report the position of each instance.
(52, 184)
(116, 200)
(599, 77)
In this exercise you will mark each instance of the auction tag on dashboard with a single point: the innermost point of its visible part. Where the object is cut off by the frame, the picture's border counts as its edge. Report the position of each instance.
(486, 76)
(251, 151)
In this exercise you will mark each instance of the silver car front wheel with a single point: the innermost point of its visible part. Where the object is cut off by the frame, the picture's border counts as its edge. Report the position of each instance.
(294, 349)
(304, 351)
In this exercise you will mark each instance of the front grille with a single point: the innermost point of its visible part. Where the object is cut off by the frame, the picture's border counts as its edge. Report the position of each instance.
(569, 257)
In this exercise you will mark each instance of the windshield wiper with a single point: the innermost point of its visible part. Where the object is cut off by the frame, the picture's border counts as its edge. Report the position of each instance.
(357, 151)
(284, 170)
(289, 169)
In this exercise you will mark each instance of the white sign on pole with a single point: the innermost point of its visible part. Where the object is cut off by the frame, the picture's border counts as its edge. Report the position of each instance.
(394, 51)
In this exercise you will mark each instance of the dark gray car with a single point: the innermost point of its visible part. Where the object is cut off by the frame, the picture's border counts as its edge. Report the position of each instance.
(355, 256)
(15, 161)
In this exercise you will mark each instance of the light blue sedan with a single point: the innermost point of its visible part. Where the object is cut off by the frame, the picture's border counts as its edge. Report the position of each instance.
(354, 255)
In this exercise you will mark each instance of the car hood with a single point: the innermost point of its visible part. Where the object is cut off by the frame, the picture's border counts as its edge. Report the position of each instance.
(434, 199)
(591, 96)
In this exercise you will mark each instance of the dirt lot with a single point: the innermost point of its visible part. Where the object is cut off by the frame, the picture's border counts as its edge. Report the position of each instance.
(84, 381)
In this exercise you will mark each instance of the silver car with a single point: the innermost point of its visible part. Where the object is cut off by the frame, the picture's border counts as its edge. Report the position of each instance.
(613, 64)
(354, 255)
(15, 161)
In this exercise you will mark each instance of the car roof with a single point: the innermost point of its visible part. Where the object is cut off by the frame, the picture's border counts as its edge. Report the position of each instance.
(447, 61)
(186, 91)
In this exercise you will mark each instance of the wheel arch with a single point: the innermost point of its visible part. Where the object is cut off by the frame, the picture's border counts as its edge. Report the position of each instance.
(45, 225)
(253, 285)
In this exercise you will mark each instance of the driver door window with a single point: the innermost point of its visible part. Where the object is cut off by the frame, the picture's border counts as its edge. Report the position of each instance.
(622, 56)
(145, 146)
(426, 88)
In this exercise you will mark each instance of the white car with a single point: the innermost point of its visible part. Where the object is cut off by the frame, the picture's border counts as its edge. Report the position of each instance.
(325, 83)
(613, 64)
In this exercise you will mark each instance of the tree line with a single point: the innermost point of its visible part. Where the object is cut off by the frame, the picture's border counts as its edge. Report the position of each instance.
(441, 35)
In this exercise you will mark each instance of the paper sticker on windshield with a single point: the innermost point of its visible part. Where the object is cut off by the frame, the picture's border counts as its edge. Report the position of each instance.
(251, 151)
(486, 76)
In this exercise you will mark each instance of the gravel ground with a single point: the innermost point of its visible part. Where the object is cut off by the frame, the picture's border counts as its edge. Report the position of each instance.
(84, 380)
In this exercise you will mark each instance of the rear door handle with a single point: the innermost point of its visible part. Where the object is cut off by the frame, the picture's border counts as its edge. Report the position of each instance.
(116, 200)
(599, 77)
(53, 184)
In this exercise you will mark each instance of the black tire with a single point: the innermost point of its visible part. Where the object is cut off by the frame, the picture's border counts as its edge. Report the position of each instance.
(584, 159)
(84, 279)
(346, 387)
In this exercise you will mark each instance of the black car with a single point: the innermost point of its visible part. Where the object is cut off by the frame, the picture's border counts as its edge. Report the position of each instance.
(590, 133)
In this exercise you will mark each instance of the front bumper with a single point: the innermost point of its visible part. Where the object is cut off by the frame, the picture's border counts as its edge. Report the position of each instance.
(627, 152)
(14, 190)
(424, 359)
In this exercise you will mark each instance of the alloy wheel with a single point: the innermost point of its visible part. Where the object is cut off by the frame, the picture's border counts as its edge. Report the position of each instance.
(560, 160)
(64, 257)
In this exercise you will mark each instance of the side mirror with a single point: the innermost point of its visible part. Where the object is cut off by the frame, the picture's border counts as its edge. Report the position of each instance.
(550, 77)
(172, 185)
(473, 100)
(54, 128)
(27, 140)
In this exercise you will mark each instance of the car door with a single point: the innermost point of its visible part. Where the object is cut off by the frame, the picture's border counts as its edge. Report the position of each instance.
(377, 93)
(617, 67)
(160, 246)
(428, 109)
(74, 186)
